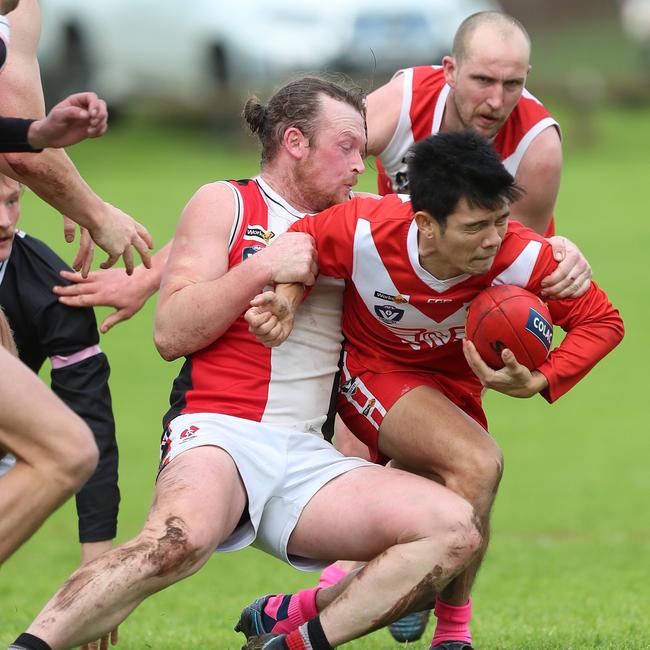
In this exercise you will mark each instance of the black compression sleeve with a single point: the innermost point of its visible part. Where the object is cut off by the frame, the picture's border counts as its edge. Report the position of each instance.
(13, 135)
(83, 386)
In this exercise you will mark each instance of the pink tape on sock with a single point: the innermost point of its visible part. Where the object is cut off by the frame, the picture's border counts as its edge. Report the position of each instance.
(273, 604)
(331, 575)
(453, 622)
(302, 607)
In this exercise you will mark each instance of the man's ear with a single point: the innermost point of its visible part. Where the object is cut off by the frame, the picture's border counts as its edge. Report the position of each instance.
(427, 225)
(295, 142)
(450, 69)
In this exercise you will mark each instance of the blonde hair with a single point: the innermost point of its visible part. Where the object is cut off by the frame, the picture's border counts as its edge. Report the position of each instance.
(6, 335)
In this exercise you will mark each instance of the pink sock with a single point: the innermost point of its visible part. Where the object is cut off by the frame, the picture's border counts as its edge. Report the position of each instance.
(453, 622)
(302, 607)
(331, 575)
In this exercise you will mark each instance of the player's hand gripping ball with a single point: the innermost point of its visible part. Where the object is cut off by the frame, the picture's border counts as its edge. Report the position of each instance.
(505, 316)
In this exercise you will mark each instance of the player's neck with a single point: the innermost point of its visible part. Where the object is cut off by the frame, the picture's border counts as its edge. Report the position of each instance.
(285, 185)
(451, 121)
(434, 263)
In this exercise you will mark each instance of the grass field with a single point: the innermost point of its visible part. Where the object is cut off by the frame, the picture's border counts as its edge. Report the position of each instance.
(569, 562)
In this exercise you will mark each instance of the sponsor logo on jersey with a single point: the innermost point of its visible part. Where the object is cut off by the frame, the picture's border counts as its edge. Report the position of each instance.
(190, 432)
(369, 406)
(260, 234)
(540, 327)
(438, 301)
(250, 250)
(389, 314)
(399, 298)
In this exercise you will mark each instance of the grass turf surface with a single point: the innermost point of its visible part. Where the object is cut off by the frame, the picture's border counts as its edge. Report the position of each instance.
(569, 562)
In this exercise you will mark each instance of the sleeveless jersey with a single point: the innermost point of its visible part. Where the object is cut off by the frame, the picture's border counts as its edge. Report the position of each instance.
(397, 316)
(422, 110)
(290, 385)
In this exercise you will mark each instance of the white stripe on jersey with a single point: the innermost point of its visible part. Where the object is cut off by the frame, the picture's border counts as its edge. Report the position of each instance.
(370, 276)
(239, 213)
(402, 138)
(511, 163)
(519, 272)
(304, 366)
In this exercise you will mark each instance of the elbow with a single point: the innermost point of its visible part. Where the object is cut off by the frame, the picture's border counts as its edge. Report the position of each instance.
(165, 345)
(620, 331)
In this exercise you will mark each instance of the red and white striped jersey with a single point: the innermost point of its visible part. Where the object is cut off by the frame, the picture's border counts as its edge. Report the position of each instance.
(290, 385)
(423, 106)
(398, 316)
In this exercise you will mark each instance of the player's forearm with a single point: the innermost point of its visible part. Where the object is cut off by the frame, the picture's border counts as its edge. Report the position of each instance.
(584, 345)
(53, 177)
(195, 315)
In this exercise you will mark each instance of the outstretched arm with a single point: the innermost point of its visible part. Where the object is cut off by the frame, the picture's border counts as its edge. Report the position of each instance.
(51, 174)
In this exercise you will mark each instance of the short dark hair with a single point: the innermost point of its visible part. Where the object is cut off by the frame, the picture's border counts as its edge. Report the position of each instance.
(296, 104)
(448, 167)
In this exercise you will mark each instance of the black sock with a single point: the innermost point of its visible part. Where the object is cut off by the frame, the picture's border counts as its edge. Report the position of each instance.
(29, 642)
(317, 637)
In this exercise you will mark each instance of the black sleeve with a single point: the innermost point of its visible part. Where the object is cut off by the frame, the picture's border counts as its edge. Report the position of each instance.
(83, 386)
(13, 135)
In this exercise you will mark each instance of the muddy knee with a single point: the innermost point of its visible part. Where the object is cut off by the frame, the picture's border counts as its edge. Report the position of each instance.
(173, 551)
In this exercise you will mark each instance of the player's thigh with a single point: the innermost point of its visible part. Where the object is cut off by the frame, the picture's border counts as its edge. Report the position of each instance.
(361, 513)
(35, 425)
(199, 495)
(426, 432)
(347, 443)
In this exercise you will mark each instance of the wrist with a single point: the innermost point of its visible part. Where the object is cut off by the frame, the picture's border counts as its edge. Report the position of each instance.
(35, 138)
(538, 382)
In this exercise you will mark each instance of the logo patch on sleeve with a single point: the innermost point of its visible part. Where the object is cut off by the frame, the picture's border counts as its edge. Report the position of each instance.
(540, 327)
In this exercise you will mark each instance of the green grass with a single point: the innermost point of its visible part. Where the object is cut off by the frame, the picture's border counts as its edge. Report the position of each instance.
(569, 562)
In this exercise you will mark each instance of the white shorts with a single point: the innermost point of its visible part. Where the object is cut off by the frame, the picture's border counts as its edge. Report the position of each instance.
(282, 469)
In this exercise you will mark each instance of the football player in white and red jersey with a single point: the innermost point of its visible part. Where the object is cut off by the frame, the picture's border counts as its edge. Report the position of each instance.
(243, 459)
(480, 87)
(410, 380)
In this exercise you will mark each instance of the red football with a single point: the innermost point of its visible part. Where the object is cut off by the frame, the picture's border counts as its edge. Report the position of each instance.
(505, 316)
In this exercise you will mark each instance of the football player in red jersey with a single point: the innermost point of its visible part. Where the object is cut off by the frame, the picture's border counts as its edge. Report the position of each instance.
(480, 86)
(411, 384)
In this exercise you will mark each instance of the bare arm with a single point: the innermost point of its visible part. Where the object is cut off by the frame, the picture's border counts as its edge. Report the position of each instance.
(382, 114)
(199, 296)
(539, 174)
(51, 174)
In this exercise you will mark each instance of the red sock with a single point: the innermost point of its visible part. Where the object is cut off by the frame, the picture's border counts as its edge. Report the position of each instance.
(302, 607)
(331, 575)
(453, 622)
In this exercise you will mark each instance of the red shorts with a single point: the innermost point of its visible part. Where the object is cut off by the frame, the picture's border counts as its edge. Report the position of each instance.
(365, 397)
